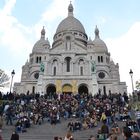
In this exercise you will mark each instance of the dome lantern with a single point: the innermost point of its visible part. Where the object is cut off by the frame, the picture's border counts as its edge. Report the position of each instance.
(43, 33)
(70, 9)
(96, 32)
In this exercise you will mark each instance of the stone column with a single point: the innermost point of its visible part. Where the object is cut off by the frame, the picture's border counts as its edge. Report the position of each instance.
(94, 84)
(39, 87)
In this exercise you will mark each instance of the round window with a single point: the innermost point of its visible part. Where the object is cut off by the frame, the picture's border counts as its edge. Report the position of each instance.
(101, 75)
(36, 75)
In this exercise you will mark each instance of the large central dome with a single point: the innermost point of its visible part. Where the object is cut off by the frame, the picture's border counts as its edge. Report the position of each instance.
(70, 23)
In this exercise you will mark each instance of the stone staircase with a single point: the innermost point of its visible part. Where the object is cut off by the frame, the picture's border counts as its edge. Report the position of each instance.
(46, 131)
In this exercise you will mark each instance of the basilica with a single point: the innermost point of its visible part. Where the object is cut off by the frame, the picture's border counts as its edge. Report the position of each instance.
(74, 63)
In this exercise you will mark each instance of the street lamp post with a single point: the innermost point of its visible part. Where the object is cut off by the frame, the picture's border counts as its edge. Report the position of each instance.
(12, 75)
(131, 74)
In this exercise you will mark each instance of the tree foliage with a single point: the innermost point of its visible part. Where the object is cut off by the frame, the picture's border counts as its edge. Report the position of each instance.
(138, 84)
(4, 79)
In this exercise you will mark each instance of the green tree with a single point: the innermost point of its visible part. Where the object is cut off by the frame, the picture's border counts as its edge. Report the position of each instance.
(4, 79)
(138, 85)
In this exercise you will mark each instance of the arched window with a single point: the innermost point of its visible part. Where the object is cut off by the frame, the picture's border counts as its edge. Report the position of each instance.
(101, 58)
(81, 62)
(67, 64)
(40, 59)
(98, 59)
(54, 71)
(54, 66)
(33, 89)
(81, 71)
(37, 59)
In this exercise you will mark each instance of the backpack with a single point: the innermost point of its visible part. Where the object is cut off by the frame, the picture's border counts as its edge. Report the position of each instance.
(101, 137)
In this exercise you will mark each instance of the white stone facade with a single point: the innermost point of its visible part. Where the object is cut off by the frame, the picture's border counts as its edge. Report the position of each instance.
(67, 63)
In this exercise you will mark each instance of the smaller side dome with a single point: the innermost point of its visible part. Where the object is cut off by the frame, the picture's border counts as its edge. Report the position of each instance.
(42, 44)
(99, 44)
(90, 42)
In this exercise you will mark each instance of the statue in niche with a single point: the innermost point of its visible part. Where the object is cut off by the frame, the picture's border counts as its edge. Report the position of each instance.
(42, 67)
(93, 66)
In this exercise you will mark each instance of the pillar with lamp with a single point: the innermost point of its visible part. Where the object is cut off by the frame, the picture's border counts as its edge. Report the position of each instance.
(12, 75)
(133, 91)
(131, 74)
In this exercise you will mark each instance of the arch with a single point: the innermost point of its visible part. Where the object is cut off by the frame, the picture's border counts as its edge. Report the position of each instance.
(102, 59)
(67, 60)
(67, 88)
(82, 89)
(51, 89)
(54, 71)
(79, 59)
(81, 71)
(54, 59)
(98, 59)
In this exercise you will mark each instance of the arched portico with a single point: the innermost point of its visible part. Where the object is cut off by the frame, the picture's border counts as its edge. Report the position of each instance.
(50, 90)
(83, 89)
(67, 88)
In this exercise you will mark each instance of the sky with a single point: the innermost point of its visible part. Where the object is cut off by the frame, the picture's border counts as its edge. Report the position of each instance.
(118, 21)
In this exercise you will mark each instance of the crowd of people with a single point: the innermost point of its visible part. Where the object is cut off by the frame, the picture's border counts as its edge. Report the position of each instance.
(88, 112)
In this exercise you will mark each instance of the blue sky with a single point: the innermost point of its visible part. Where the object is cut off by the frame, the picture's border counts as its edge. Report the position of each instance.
(118, 21)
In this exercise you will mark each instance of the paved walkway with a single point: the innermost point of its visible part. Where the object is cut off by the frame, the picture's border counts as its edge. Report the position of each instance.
(46, 131)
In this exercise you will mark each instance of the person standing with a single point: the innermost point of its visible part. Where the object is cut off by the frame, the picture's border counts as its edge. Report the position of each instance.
(14, 136)
(1, 137)
(1, 122)
(68, 136)
(127, 133)
(137, 114)
(9, 114)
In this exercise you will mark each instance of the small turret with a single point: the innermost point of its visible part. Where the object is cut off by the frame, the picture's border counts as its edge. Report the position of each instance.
(96, 32)
(43, 33)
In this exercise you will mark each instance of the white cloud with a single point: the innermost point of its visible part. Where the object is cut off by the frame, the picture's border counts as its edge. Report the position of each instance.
(14, 37)
(101, 20)
(8, 6)
(125, 50)
(55, 10)
(17, 38)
